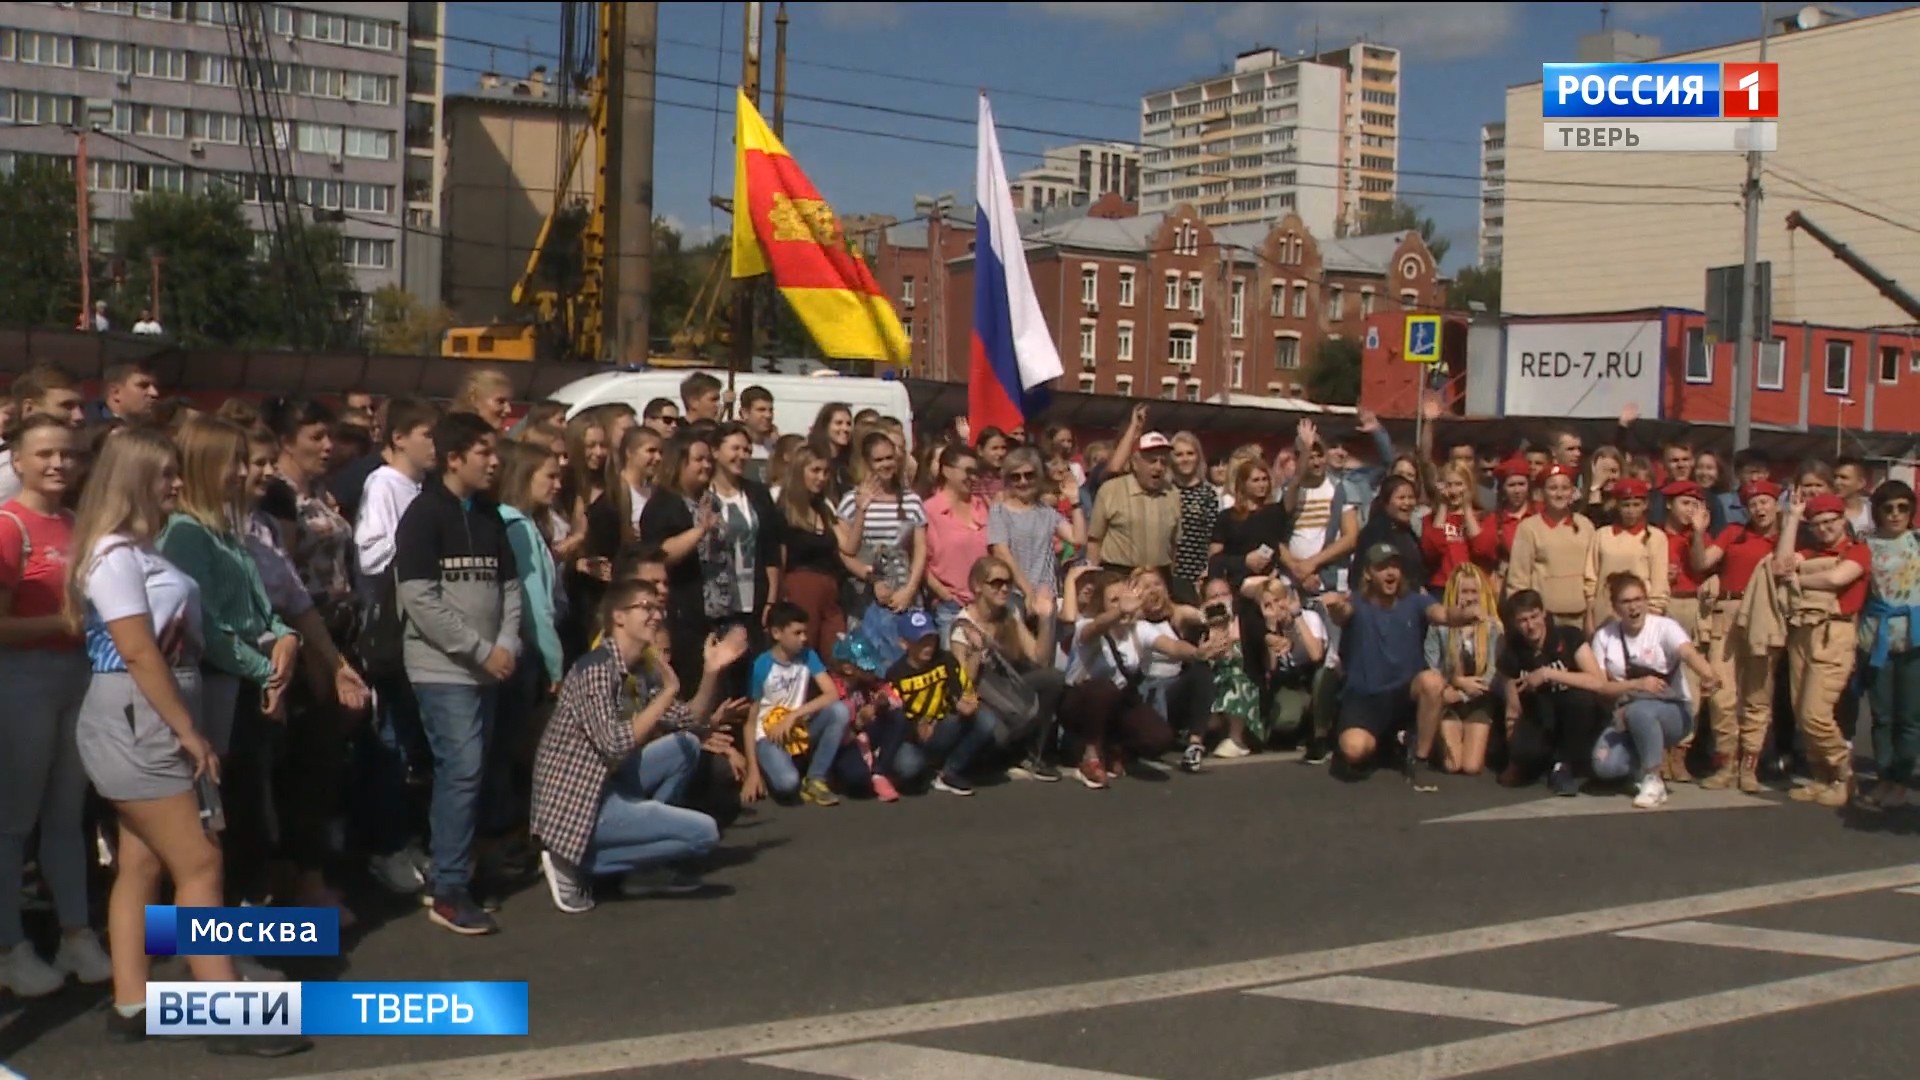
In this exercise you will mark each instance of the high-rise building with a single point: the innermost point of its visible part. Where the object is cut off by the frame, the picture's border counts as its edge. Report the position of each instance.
(1078, 175)
(1315, 136)
(1493, 191)
(348, 128)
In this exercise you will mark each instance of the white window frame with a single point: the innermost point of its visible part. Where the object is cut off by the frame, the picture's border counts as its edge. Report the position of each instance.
(1409, 299)
(1846, 369)
(1189, 335)
(1778, 348)
(357, 140)
(1173, 290)
(1169, 388)
(1696, 346)
(1089, 285)
(1299, 299)
(1123, 343)
(1277, 302)
(1238, 370)
(1279, 361)
(1192, 390)
(1337, 304)
(1089, 382)
(1237, 308)
(906, 291)
(1126, 286)
(1196, 293)
(1089, 340)
(1880, 365)
(1366, 301)
(1123, 385)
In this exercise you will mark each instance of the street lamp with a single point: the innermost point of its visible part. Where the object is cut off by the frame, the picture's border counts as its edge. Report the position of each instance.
(98, 114)
(1840, 427)
(934, 208)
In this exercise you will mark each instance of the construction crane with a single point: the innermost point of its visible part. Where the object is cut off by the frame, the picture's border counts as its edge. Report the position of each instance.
(1888, 287)
(572, 324)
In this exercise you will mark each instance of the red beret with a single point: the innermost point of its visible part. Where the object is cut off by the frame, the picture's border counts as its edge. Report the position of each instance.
(1754, 489)
(1674, 489)
(1517, 465)
(1826, 504)
(1557, 469)
(1629, 487)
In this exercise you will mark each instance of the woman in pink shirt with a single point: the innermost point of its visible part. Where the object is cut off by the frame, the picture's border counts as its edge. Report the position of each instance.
(956, 535)
(45, 674)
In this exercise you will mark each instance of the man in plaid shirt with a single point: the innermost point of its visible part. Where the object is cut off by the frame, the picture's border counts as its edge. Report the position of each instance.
(603, 784)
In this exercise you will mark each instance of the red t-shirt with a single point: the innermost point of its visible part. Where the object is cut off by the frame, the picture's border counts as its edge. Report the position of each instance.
(1743, 552)
(1854, 596)
(1680, 564)
(1444, 543)
(1494, 545)
(39, 587)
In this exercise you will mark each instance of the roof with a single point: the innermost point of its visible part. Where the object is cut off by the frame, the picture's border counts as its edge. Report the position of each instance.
(521, 92)
(1126, 235)
(1361, 254)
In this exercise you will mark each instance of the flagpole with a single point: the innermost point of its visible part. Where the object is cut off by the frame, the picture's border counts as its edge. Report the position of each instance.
(742, 352)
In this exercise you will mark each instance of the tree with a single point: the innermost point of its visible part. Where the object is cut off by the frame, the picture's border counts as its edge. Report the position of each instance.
(1396, 217)
(307, 296)
(209, 283)
(39, 266)
(1334, 376)
(1481, 283)
(398, 324)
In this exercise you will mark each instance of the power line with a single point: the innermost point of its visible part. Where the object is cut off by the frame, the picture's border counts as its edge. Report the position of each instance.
(1821, 196)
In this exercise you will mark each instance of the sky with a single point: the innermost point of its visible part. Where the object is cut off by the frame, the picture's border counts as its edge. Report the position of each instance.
(891, 86)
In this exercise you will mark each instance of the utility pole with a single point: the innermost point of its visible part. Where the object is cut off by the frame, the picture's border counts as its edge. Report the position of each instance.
(1749, 285)
(743, 290)
(633, 35)
(81, 206)
(780, 71)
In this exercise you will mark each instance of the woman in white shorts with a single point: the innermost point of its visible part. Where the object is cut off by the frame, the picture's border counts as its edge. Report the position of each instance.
(139, 734)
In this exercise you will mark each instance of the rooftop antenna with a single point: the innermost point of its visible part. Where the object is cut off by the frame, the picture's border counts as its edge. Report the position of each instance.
(1605, 10)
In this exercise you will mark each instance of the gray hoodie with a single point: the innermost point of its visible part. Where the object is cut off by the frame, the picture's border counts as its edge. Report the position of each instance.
(458, 586)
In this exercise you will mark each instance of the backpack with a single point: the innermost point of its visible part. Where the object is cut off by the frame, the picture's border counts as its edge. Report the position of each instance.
(383, 630)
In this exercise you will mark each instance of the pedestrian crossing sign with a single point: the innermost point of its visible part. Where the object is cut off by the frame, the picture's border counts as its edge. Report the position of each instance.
(1422, 344)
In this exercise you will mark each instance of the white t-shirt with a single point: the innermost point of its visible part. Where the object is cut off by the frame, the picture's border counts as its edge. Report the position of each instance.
(1310, 524)
(774, 683)
(639, 504)
(1310, 627)
(1092, 659)
(9, 480)
(125, 580)
(1656, 647)
(743, 532)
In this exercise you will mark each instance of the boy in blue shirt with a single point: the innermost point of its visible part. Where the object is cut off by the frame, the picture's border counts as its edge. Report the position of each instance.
(786, 721)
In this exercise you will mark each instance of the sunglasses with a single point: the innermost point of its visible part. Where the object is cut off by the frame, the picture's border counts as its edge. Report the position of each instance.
(1021, 476)
(670, 421)
(1897, 508)
(999, 583)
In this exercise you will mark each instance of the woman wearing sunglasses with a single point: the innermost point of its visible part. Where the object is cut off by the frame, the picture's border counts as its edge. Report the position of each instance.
(1888, 661)
(989, 636)
(1022, 531)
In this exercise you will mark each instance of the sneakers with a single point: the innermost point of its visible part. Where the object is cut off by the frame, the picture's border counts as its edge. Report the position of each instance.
(398, 873)
(815, 792)
(1653, 792)
(884, 790)
(253, 970)
(1192, 756)
(572, 892)
(659, 881)
(1562, 782)
(1091, 772)
(1318, 752)
(28, 976)
(952, 785)
(260, 1046)
(1037, 768)
(1229, 749)
(455, 909)
(82, 957)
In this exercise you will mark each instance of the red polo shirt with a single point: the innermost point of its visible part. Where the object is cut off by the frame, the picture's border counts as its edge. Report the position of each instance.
(1743, 551)
(1854, 596)
(1444, 543)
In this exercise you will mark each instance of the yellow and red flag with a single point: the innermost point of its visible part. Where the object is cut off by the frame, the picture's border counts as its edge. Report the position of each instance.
(781, 226)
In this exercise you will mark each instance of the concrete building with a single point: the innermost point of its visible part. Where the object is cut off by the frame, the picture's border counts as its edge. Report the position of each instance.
(1274, 135)
(1616, 47)
(1493, 191)
(1162, 305)
(1079, 174)
(506, 145)
(353, 115)
(1680, 213)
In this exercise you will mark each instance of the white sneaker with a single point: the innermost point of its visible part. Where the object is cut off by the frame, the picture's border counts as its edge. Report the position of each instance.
(1653, 792)
(1230, 749)
(253, 970)
(22, 971)
(82, 955)
(397, 873)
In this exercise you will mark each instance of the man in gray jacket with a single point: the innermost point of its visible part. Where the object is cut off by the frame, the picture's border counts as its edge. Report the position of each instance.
(459, 593)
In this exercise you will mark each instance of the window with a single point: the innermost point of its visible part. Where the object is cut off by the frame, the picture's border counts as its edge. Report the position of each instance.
(285, 19)
(1169, 389)
(1366, 302)
(1839, 364)
(319, 139)
(1889, 363)
(1286, 353)
(1337, 306)
(1409, 299)
(160, 63)
(370, 34)
(1180, 346)
(1195, 298)
(323, 27)
(121, 121)
(160, 121)
(1089, 286)
(1770, 366)
(30, 108)
(906, 292)
(1173, 292)
(106, 56)
(111, 9)
(367, 143)
(1278, 307)
(1087, 328)
(217, 127)
(212, 70)
(1087, 383)
(1239, 373)
(1123, 385)
(365, 254)
(216, 14)
(1299, 300)
(1237, 309)
(1123, 344)
(906, 327)
(1193, 389)
(1699, 358)
(35, 47)
(163, 12)
(366, 88)
(1126, 286)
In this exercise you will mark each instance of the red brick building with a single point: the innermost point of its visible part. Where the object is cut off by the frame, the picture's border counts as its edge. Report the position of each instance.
(1161, 305)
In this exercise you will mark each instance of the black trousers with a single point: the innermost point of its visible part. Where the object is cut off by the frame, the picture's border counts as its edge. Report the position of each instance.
(1556, 727)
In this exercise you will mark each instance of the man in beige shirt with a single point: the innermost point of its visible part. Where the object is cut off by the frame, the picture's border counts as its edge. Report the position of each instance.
(1134, 516)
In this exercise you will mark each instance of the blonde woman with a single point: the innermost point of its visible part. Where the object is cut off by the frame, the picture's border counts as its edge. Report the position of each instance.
(488, 394)
(1447, 536)
(813, 556)
(1199, 509)
(1550, 551)
(1455, 693)
(139, 730)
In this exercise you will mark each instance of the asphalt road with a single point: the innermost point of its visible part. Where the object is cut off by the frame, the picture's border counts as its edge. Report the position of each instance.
(1261, 920)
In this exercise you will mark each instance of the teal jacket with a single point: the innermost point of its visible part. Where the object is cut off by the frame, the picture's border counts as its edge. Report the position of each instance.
(234, 613)
(534, 559)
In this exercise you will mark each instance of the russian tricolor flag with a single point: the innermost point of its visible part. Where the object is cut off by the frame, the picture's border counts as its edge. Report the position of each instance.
(1013, 353)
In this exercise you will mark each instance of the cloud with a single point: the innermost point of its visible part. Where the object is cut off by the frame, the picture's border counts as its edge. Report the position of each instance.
(690, 235)
(1426, 31)
(864, 16)
(1118, 14)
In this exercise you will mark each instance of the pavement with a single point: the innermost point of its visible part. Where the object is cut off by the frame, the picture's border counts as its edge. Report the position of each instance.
(1261, 921)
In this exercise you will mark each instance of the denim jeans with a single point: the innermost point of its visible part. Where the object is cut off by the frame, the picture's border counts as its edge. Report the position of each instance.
(382, 806)
(945, 614)
(638, 825)
(1653, 724)
(826, 729)
(44, 783)
(458, 720)
(955, 742)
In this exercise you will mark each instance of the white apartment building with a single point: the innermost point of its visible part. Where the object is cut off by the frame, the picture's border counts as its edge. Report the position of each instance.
(1079, 174)
(1315, 136)
(1493, 191)
(354, 115)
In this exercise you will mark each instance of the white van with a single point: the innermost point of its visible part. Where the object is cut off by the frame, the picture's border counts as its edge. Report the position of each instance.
(796, 398)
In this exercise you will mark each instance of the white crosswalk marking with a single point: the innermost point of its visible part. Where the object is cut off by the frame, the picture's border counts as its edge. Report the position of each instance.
(898, 1061)
(1913, 890)
(1756, 939)
(1680, 797)
(1459, 1003)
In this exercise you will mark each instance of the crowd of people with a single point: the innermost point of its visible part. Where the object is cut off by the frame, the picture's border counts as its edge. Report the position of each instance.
(574, 647)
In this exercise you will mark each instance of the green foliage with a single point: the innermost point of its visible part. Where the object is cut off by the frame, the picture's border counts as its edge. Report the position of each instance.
(1399, 217)
(398, 324)
(1480, 283)
(39, 262)
(1334, 376)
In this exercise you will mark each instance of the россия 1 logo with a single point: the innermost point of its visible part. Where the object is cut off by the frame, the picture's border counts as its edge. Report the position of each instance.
(1660, 91)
